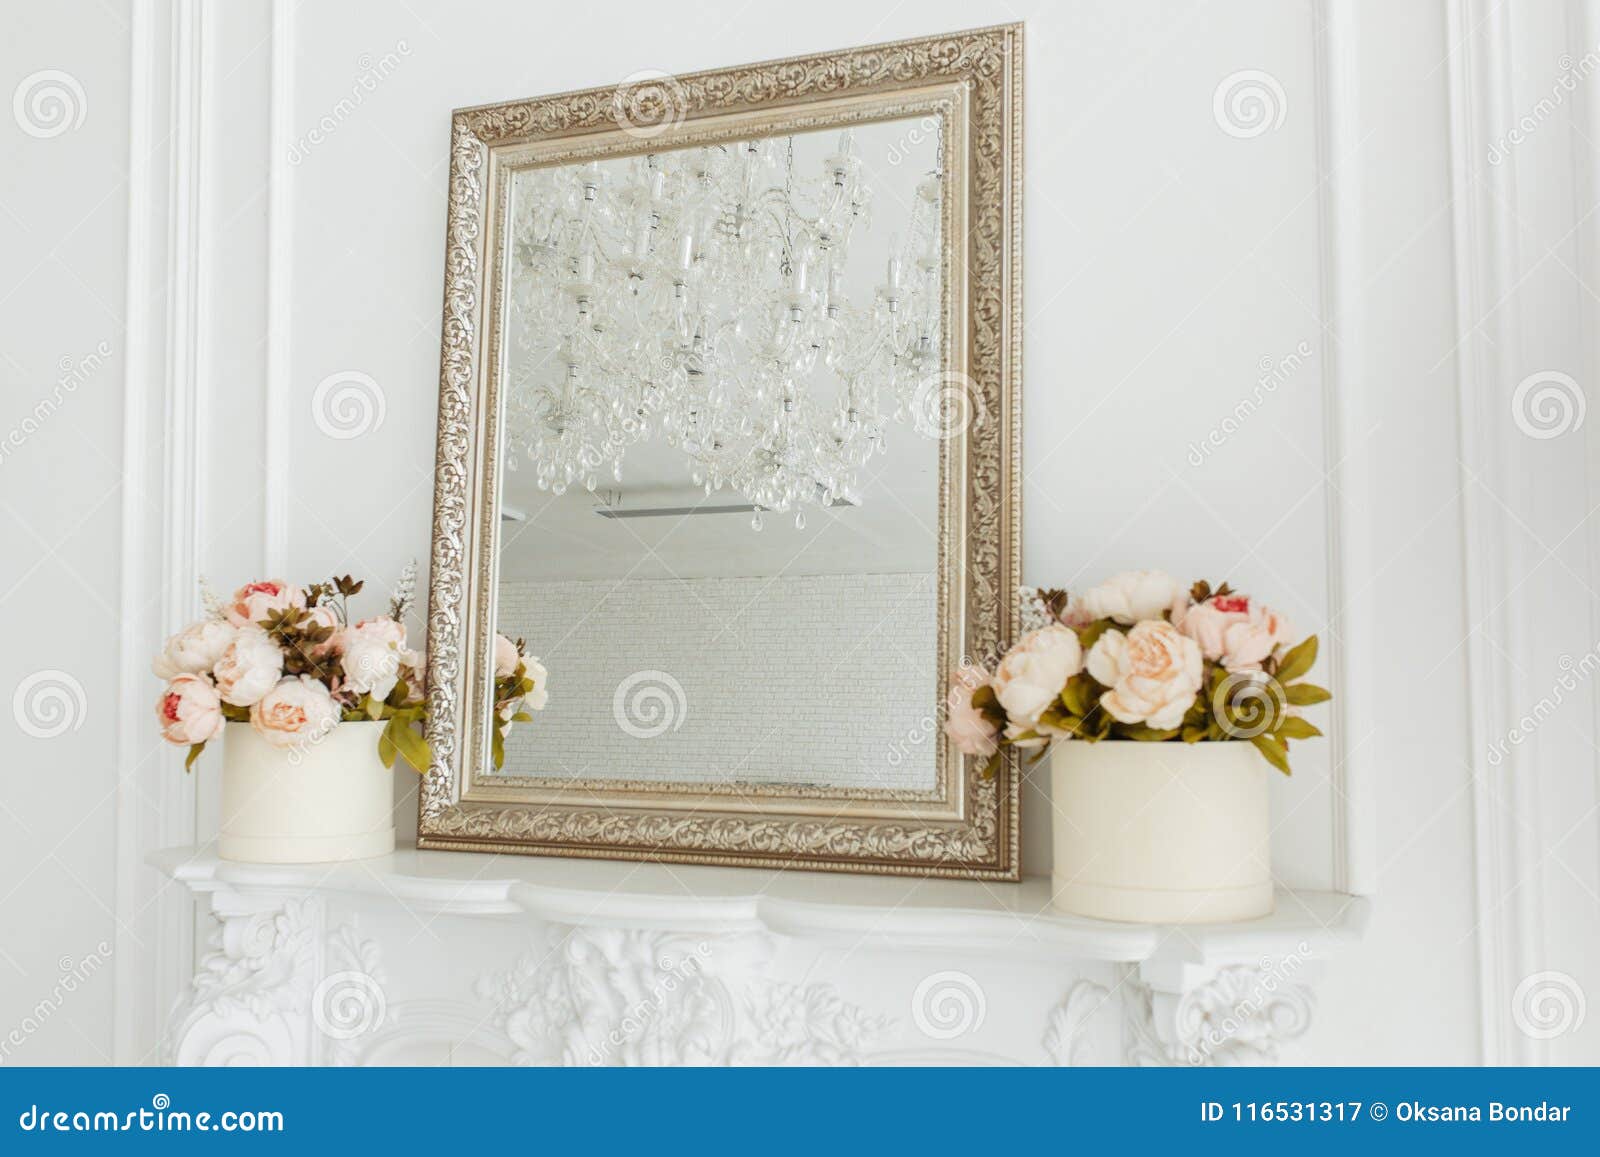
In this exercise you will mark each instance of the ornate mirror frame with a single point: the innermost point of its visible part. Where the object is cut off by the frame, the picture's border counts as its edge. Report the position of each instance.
(968, 825)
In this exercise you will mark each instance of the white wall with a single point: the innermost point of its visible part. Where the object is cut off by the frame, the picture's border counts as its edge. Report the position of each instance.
(1376, 491)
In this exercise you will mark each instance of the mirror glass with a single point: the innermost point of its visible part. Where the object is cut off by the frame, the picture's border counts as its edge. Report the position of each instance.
(723, 401)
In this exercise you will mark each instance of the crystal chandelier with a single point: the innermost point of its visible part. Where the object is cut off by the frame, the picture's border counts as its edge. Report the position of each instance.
(700, 297)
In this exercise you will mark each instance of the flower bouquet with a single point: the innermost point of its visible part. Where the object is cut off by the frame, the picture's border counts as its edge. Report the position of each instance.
(317, 707)
(1171, 823)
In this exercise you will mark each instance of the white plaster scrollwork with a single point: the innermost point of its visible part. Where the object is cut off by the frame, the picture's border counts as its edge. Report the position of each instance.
(247, 1001)
(1064, 1033)
(1242, 1015)
(624, 997)
(350, 1004)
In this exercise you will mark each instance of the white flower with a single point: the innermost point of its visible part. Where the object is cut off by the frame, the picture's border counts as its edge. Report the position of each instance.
(296, 710)
(371, 662)
(536, 699)
(1131, 597)
(1153, 673)
(1034, 671)
(506, 657)
(195, 649)
(249, 668)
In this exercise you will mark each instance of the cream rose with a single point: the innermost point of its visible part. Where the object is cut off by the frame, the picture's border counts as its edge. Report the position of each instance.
(195, 649)
(252, 602)
(384, 628)
(1033, 673)
(297, 710)
(190, 710)
(371, 661)
(968, 728)
(506, 657)
(414, 670)
(1153, 673)
(249, 668)
(1131, 597)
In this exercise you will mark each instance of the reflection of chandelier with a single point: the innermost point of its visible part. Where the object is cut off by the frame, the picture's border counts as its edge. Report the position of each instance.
(699, 296)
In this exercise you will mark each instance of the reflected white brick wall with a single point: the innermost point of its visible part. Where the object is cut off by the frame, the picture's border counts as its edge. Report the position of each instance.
(804, 679)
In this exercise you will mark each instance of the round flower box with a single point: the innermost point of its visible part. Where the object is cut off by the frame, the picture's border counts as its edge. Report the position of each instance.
(323, 799)
(1161, 833)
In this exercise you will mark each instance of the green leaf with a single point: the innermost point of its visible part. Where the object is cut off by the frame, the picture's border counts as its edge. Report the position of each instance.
(1193, 733)
(1078, 695)
(1298, 661)
(386, 746)
(992, 765)
(1276, 753)
(498, 743)
(1305, 694)
(411, 746)
(235, 714)
(1293, 727)
(522, 717)
(1088, 636)
(194, 753)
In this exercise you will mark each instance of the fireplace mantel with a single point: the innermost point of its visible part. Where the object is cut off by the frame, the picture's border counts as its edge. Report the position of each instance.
(453, 958)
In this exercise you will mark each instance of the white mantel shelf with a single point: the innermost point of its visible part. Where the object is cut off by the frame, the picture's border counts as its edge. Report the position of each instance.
(580, 924)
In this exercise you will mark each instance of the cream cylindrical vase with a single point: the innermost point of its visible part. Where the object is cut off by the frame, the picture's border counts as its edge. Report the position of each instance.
(328, 800)
(1161, 833)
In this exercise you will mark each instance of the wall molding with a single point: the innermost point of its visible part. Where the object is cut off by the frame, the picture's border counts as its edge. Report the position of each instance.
(280, 273)
(165, 405)
(1353, 803)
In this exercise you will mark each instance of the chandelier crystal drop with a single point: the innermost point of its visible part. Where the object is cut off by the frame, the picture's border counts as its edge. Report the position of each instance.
(707, 297)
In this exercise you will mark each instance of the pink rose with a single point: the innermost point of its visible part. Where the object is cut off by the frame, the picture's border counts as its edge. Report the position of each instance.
(1153, 672)
(1034, 671)
(506, 657)
(1235, 632)
(249, 668)
(190, 710)
(253, 601)
(968, 728)
(195, 649)
(297, 710)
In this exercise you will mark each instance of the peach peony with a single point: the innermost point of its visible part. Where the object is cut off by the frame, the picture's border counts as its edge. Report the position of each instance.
(969, 728)
(297, 710)
(506, 657)
(1153, 672)
(1033, 673)
(195, 649)
(190, 710)
(252, 602)
(249, 668)
(1131, 597)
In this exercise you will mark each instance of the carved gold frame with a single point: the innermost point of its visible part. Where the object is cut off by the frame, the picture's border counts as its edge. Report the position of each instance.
(968, 825)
